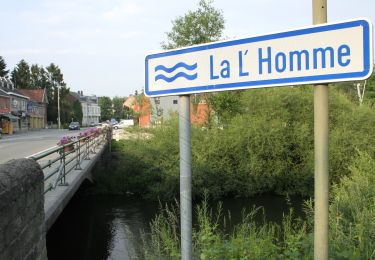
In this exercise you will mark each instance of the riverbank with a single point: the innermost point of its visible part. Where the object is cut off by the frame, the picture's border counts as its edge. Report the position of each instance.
(99, 227)
(351, 227)
(265, 146)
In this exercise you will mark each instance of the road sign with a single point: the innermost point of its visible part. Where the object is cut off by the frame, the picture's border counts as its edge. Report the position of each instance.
(318, 54)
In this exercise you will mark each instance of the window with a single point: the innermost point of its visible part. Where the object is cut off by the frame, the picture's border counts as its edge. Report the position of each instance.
(175, 102)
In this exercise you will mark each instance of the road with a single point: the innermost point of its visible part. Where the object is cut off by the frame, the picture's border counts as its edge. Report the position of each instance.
(25, 144)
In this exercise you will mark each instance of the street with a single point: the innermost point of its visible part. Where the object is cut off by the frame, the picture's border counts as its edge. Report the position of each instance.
(25, 144)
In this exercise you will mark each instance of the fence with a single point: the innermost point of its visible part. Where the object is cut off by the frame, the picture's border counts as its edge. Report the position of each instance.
(59, 161)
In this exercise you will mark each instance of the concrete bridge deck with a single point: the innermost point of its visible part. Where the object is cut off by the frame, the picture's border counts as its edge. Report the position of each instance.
(56, 199)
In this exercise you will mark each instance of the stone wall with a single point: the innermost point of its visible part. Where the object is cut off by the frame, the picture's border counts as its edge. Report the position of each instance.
(22, 228)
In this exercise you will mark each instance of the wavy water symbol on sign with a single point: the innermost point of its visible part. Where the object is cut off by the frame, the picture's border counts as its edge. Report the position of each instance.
(170, 78)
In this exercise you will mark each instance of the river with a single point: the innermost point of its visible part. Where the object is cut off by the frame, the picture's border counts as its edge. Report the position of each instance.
(109, 227)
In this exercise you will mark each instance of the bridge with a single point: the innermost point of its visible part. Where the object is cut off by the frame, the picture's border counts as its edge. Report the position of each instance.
(65, 168)
(34, 191)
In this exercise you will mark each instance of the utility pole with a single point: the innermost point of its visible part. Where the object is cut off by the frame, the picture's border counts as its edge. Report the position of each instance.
(58, 106)
(321, 134)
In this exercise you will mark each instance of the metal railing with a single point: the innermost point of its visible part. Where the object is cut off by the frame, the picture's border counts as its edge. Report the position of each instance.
(63, 159)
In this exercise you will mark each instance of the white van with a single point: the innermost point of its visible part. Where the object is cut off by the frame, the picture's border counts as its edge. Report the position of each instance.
(124, 124)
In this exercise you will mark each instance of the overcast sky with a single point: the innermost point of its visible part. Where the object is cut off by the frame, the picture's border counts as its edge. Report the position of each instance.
(100, 45)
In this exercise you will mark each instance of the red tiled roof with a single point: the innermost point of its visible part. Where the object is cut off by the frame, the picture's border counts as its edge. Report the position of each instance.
(36, 95)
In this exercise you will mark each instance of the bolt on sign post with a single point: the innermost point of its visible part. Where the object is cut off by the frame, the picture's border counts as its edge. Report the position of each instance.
(315, 55)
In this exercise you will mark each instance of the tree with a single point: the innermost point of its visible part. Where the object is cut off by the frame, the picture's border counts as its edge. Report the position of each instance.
(54, 80)
(3, 71)
(76, 113)
(226, 104)
(21, 75)
(39, 77)
(206, 24)
(105, 104)
(118, 109)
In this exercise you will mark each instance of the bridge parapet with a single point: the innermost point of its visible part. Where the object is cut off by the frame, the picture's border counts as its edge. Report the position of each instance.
(22, 227)
(66, 167)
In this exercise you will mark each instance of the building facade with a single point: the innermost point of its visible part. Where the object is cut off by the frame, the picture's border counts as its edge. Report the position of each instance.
(154, 111)
(90, 108)
(36, 107)
(14, 117)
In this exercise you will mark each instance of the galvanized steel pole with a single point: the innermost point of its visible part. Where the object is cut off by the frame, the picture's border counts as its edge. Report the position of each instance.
(58, 106)
(185, 178)
(321, 152)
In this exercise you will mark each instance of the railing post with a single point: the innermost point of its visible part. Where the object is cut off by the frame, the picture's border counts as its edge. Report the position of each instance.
(93, 144)
(63, 182)
(109, 138)
(78, 156)
(87, 141)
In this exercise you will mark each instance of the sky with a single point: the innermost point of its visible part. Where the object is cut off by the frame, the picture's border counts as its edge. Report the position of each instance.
(100, 45)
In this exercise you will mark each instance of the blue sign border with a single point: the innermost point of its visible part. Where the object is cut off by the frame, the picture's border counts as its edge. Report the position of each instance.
(367, 29)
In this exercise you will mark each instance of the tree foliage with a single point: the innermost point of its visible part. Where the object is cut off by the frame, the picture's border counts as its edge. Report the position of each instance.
(350, 90)
(105, 104)
(3, 71)
(21, 75)
(206, 24)
(50, 78)
(56, 85)
(118, 109)
(267, 145)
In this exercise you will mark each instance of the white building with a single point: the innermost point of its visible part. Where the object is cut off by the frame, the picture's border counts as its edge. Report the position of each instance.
(163, 108)
(90, 108)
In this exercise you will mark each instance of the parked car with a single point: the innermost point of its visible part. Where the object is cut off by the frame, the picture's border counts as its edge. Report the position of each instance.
(92, 124)
(113, 121)
(74, 126)
(124, 124)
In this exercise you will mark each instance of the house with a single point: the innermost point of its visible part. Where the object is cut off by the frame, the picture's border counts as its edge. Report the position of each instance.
(90, 108)
(15, 117)
(36, 107)
(141, 107)
(156, 110)
(5, 121)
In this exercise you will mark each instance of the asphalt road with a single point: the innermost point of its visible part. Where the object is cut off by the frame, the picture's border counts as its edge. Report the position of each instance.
(26, 144)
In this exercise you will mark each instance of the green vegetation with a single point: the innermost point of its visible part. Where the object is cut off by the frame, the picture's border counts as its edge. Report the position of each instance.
(206, 24)
(3, 71)
(352, 227)
(50, 78)
(106, 111)
(266, 145)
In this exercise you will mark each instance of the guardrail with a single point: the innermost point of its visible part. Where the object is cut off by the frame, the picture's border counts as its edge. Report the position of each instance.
(63, 159)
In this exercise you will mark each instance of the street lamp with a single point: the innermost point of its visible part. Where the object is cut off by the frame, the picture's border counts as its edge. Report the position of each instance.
(58, 97)
(58, 106)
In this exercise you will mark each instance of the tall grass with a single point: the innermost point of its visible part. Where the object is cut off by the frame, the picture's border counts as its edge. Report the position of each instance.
(351, 226)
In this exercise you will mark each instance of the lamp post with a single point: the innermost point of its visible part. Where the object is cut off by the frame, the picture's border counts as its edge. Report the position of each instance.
(58, 106)
(58, 97)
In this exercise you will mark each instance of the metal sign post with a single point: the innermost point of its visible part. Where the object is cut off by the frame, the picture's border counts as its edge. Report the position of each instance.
(321, 153)
(185, 178)
(315, 55)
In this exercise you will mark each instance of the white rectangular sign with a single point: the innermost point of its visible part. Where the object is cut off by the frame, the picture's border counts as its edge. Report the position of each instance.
(318, 54)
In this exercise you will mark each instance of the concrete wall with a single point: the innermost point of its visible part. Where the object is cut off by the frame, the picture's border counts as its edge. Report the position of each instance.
(22, 228)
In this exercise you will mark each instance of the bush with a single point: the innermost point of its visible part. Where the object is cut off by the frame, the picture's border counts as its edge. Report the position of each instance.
(266, 146)
(351, 227)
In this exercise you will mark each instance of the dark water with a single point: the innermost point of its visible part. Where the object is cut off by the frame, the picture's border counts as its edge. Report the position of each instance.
(109, 227)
